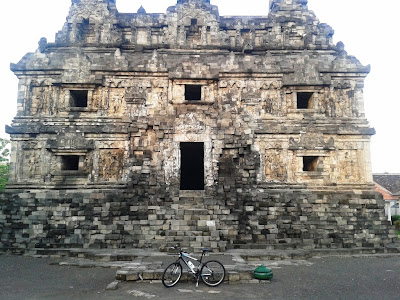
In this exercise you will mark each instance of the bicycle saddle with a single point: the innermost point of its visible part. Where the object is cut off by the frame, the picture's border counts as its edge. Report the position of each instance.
(205, 249)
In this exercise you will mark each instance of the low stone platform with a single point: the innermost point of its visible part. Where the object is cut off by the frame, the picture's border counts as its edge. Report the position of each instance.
(152, 268)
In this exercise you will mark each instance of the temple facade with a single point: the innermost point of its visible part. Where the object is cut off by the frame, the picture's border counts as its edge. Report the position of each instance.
(191, 128)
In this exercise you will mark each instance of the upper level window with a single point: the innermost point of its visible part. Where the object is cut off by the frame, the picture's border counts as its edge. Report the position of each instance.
(310, 163)
(305, 100)
(79, 98)
(192, 92)
(70, 162)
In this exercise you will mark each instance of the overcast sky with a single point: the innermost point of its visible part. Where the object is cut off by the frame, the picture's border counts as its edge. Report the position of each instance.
(368, 28)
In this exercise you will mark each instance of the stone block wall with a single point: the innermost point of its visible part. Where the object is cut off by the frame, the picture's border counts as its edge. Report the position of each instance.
(236, 218)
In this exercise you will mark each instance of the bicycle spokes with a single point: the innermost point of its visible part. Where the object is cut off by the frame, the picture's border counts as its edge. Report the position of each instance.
(206, 272)
(172, 274)
(213, 273)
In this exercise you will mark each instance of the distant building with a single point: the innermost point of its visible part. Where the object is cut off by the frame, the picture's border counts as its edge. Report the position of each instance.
(146, 130)
(389, 186)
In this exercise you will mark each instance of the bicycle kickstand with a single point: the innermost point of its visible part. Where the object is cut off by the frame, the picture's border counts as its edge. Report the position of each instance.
(198, 278)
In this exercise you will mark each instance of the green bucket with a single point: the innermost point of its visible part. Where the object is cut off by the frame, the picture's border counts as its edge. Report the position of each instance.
(263, 273)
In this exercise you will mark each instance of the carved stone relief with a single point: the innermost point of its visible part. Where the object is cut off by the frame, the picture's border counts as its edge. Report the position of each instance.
(312, 139)
(30, 164)
(116, 101)
(70, 141)
(274, 165)
(111, 164)
(190, 123)
(348, 166)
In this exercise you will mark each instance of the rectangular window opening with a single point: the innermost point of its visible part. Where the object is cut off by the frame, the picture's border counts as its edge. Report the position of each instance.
(310, 163)
(192, 92)
(192, 166)
(85, 22)
(70, 162)
(304, 100)
(79, 98)
(194, 22)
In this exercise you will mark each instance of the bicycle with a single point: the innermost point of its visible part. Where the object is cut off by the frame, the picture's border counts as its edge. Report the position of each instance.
(212, 272)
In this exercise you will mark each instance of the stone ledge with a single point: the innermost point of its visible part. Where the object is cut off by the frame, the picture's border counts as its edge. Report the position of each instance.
(154, 276)
(245, 255)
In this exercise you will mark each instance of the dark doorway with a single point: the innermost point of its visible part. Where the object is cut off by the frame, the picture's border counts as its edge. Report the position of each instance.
(192, 166)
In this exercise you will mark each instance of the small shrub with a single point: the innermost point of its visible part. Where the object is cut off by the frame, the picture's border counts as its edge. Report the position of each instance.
(397, 224)
(395, 218)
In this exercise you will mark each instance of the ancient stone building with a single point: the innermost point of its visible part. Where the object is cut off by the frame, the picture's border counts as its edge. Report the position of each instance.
(145, 130)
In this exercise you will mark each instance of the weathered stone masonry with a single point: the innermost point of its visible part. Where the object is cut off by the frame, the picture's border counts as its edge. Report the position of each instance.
(193, 128)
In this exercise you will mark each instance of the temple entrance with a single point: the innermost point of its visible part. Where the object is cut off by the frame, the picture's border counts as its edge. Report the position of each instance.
(192, 166)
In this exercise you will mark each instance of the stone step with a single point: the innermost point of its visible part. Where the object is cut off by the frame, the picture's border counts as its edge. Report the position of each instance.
(355, 251)
(191, 235)
(254, 255)
(393, 247)
(102, 255)
(244, 275)
(196, 247)
(249, 255)
(191, 194)
(190, 210)
(286, 246)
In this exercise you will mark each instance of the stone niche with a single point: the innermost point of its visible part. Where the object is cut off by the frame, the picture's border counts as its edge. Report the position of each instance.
(191, 128)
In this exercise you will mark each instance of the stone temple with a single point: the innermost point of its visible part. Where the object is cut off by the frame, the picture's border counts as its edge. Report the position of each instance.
(191, 128)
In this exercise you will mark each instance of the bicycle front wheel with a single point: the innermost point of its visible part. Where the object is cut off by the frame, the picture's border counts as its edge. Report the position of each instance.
(172, 274)
(212, 273)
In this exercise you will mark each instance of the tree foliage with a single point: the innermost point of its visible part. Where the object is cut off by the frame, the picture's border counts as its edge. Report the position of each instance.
(4, 171)
(395, 218)
(4, 151)
(4, 163)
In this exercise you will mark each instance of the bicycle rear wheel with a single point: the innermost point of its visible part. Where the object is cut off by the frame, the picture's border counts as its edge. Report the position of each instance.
(172, 274)
(212, 273)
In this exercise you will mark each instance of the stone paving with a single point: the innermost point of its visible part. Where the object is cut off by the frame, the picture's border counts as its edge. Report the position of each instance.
(147, 265)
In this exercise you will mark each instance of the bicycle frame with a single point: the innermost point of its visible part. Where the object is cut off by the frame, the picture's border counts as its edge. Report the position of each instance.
(183, 255)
